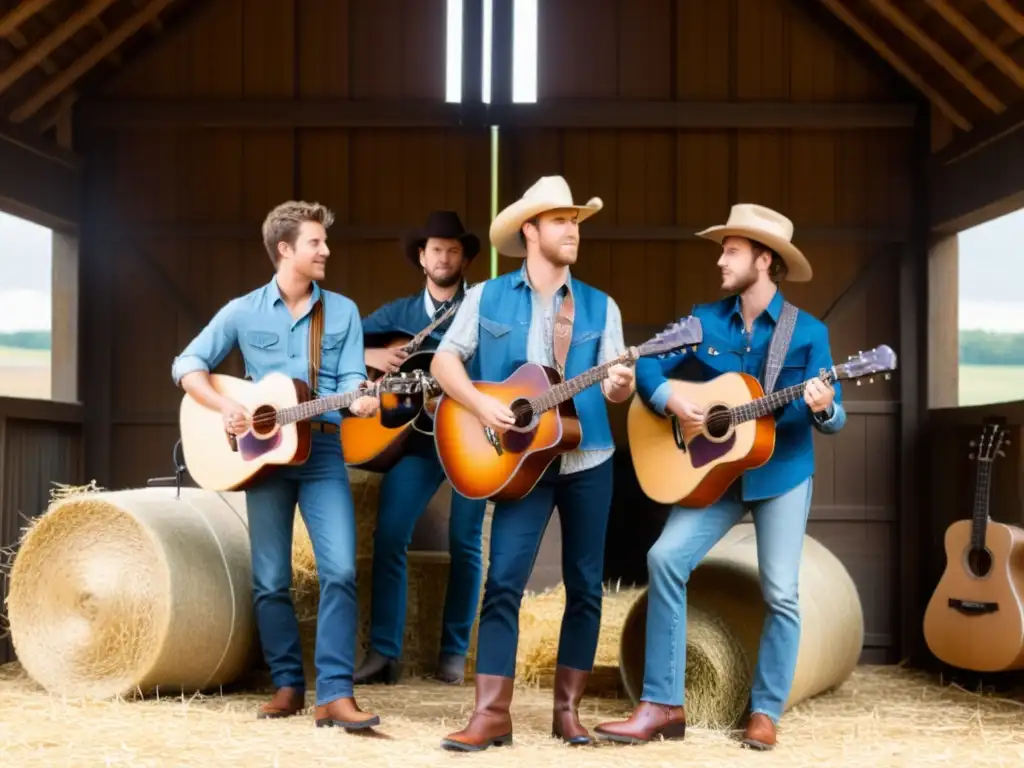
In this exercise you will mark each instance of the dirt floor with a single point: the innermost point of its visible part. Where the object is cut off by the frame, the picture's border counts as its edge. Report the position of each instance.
(883, 716)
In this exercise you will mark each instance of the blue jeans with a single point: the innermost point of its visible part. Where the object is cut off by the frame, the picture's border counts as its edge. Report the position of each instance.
(321, 489)
(404, 493)
(517, 527)
(779, 524)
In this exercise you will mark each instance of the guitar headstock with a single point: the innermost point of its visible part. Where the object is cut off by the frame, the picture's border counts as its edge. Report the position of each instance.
(881, 359)
(990, 443)
(679, 334)
(403, 383)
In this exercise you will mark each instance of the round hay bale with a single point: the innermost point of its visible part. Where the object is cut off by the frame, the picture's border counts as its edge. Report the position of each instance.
(116, 593)
(726, 588)
(718, 671)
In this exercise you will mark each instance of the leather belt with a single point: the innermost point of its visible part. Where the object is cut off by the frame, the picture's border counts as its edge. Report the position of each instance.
(324, 426)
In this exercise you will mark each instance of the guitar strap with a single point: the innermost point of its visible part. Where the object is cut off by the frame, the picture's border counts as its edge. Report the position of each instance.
(563, 331)
(316, 335)
(778, 346)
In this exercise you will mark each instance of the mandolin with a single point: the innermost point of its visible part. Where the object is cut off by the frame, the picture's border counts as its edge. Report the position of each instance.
(975, 618)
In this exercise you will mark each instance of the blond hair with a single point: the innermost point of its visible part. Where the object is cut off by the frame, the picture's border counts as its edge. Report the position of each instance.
(282, 224)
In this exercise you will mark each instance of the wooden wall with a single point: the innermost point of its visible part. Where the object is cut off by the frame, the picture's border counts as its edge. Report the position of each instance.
(178, 207)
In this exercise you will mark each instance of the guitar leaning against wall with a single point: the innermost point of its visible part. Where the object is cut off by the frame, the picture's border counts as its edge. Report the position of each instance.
(975, 618)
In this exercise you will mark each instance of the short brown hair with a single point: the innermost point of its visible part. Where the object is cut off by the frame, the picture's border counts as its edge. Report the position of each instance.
(282, 224)
(777, 270)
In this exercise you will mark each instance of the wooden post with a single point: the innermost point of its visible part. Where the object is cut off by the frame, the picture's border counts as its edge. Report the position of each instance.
(943, 323)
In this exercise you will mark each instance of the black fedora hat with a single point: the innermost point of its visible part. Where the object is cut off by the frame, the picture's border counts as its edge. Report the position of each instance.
(444, 224)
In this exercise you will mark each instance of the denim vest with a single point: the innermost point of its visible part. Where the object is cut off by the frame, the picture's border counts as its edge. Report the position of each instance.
(506, 308)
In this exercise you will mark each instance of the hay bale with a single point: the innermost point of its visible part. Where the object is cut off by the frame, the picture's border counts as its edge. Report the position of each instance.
(540, 623)
(725, 588)
(114, 593)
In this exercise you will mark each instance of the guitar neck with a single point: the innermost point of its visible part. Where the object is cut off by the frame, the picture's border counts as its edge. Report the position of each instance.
(763, 406)
(559, 393)
(321, 405)
(982, 487)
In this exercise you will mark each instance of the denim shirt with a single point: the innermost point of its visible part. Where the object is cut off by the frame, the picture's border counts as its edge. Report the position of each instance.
(272, 341)
(727, 347)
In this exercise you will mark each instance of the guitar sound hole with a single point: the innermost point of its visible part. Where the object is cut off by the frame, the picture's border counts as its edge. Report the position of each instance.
(717, 421)
(264, 419)
(522, 411)
(979, 562)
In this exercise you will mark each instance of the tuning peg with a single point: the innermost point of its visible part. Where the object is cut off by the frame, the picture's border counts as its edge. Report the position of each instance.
(871, 380)
(888, 376)
(970, 456)
(973, 443)
(859, 382)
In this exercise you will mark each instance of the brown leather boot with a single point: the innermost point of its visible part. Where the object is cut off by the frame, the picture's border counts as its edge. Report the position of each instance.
(285, 703)
(565, 721)
(344, 713)
(647, 721)
(760, 732)
(491, 723)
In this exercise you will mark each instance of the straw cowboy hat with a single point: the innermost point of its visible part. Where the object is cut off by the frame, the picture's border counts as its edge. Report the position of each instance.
(755, 222)
(443, 224)
(549, 193)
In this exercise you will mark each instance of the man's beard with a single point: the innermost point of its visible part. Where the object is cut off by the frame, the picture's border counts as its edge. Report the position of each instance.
(742, 282)
(553, 253)
(447, 281)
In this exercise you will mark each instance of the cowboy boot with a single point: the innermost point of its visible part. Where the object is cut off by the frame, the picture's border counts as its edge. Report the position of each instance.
(285, 703)
(565, 721)
(491, 723)
(344, 713)
(760, 732)
(377, 668)
(647, 721)
(451, 669)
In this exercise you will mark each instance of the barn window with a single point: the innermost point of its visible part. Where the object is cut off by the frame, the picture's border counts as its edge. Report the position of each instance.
(981, 272)
(524, 51)
(38, 311)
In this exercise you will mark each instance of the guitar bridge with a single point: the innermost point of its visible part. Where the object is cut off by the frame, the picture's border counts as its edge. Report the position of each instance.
(972, 607)
(494, 440)
(677, 434)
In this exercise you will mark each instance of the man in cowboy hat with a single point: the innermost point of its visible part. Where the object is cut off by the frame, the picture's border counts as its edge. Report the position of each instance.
(539, 313)
(443, 249)
(757, 253)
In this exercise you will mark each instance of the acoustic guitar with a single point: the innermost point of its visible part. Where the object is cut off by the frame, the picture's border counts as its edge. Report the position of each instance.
(279, 432)
(975, 618)
(693, 466)
(376, 443)
(482, 463)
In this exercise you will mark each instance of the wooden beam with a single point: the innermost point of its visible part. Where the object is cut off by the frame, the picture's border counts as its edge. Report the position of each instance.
(591, 232)
(898, 19)
(898, 63)
(51, 42)
(89, 60)
(610, 113)
(38, 182)
(978, 176)
(985, 46)
(21, 13)
(1013, 18)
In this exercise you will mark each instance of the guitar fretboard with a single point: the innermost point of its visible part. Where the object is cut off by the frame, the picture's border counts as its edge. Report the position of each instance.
(568, 389)
(763, 406)
(311, 408)
(981, 496)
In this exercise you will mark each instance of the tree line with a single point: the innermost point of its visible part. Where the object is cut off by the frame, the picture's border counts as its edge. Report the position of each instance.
(26, 339)
(988, 348)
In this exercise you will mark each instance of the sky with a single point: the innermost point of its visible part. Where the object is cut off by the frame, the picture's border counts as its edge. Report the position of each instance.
(991, 273)
(25, 262)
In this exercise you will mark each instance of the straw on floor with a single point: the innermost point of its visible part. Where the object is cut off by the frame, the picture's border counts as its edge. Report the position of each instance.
(882, 717)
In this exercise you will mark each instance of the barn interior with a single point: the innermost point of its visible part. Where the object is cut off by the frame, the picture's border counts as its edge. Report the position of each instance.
(147, 139)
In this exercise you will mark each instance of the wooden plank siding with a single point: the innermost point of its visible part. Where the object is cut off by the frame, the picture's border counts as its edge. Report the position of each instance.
(181, 220)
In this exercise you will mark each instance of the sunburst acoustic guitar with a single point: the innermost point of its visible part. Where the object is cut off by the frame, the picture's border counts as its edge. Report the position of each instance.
(279, 432)
(693, 467)
(975, 618)
(481, 463)
(375, 444)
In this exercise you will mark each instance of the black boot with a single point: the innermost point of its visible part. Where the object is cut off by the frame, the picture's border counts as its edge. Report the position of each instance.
(377, 668)
(451, 668)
